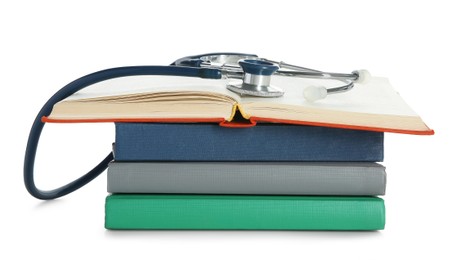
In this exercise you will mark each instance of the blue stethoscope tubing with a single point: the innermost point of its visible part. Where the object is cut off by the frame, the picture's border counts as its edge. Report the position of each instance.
(73, 87)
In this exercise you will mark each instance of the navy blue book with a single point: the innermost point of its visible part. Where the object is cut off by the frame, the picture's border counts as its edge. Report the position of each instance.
(263, 142)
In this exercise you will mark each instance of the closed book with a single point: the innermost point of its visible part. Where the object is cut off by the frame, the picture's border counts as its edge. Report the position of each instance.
(267, 178)
(263, 142)
(235, 212)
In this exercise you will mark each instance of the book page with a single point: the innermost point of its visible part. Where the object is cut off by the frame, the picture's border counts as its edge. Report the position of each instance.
(374, 97)
(149, 97)
(152, 84)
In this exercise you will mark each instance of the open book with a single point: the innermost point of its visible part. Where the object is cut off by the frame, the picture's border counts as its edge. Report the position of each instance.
(374, 106)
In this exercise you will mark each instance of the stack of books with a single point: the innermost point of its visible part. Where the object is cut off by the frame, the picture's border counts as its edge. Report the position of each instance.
(270, 176)
(200, 157)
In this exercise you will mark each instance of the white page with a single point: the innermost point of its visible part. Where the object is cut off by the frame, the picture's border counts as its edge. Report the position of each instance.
(375, 97)
(148, 84)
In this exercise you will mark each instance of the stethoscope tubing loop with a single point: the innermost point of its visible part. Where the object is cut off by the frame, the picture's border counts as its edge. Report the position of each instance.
(73, 87)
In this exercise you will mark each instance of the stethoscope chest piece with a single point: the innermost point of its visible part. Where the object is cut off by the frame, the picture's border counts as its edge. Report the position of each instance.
(256, 79)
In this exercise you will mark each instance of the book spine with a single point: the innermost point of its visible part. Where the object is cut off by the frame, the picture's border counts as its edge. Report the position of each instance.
(270, 178)
(244, 212)
(264, 142)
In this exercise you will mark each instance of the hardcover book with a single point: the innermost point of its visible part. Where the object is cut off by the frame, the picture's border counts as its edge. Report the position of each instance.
(244, 212)
(267, 178)
(374, 106)
(264, 142)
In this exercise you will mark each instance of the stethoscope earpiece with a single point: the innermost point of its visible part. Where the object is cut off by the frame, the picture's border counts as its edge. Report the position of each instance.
(363, 76)
(314, 93)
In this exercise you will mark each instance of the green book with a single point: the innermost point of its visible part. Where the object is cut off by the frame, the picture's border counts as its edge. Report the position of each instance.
(151, 211)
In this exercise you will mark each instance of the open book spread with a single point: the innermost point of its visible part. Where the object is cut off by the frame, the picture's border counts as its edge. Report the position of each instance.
(374, 105)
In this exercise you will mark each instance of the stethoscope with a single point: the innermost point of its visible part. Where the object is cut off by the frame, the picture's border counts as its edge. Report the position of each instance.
(256, 74)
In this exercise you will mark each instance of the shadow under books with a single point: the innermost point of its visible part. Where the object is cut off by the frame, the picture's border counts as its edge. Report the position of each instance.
(196, 234)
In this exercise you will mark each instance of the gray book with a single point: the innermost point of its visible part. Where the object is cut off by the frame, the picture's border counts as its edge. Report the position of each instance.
(272, 178)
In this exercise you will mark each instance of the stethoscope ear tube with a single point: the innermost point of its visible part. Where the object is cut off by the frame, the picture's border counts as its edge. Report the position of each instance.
(73, 87)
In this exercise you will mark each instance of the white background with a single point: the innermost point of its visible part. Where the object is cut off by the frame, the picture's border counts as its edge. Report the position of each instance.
(418, 45)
